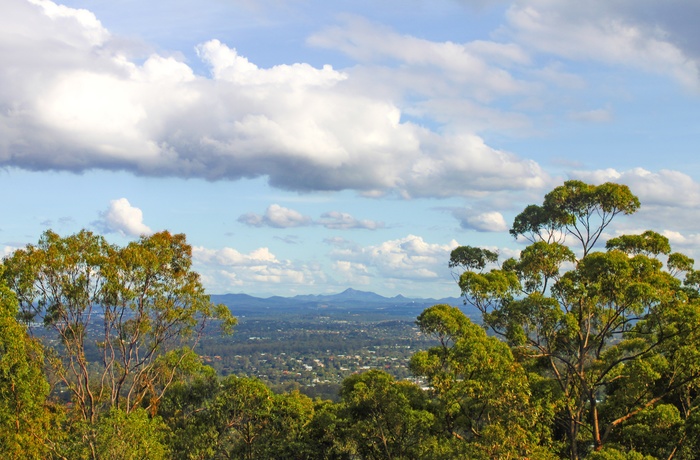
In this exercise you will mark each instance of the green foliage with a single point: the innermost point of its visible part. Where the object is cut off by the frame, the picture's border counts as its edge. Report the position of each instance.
(386, 418)
(541, 262)
(611, 453)
(130, 436)
(575, 208)
(287, 432)
(614, 332)
(649, 243)
(182, 408)
(590, 354)
(482, 394)
(444, 322)
(236, 417)
(149, 299)
(117, 435)
(240, 412)
(25, 417)
(471, 258)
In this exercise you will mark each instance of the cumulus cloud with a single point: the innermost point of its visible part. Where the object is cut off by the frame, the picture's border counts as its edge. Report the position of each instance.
(423, 264)
(123, 218)
(670, 201)
(353, 273)
(335, 220)
(665, 187)
(678, 240)
(280, 217)
(232, 257)
(227, 65)
(276, 216)
(72, 100)
(226, 268)
(408, 258)
(489, 221)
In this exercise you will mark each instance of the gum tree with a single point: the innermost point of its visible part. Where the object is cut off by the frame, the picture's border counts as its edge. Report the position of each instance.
(612, 329)
(123, 317)
(25, 418)
(482, 397)
(386, 419)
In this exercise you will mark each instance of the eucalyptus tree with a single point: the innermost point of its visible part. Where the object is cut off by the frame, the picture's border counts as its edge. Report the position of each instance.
(616, 330)
(124, 317)
(386, 419)
(481, 393)
(25, 417)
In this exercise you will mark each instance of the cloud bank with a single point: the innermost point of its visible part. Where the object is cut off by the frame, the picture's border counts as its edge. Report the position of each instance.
(410, 258)
(72, 100)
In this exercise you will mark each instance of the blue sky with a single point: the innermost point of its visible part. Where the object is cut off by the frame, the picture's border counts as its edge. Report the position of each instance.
(310, 146)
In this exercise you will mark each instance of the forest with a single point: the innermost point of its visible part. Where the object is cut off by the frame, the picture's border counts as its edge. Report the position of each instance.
(587, 346)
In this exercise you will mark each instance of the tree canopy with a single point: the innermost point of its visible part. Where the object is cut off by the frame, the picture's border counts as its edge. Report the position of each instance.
(612, 330)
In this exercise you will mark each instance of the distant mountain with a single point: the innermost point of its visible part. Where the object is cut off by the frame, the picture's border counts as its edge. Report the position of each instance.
(348, 295)
(350, 299)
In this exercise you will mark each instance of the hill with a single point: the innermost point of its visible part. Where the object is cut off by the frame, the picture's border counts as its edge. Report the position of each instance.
(350, 301)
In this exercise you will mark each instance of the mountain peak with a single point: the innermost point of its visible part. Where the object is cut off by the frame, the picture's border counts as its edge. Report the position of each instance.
(351, 293)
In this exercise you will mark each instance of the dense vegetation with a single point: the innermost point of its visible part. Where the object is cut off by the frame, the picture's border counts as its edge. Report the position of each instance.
(579, 353)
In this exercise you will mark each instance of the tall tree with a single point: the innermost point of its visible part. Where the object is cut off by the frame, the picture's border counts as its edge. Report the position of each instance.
(240, 415)
(610, 328)
(482, 393)
(119, 313)
(386, 419)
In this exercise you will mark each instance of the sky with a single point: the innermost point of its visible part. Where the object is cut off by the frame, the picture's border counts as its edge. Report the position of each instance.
(309, 146)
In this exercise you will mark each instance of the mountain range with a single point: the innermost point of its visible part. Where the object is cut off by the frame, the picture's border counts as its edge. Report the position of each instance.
(348, 300)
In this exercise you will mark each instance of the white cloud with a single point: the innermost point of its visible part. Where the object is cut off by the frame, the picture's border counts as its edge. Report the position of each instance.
(7, 251)
(408, 258)
(74, 101)
(335, 220)
(490, 221)
(617, 33)
(87, 28)
(593, 116)
(276, 216)
(686, 243)
(123, 218)
(227, 65)
(468, 64)
(408, 265)
(680, 239)
(227, 268)
(280, 217)
(597, 176)
(670, 202)
(666, 187)
(352, 273)
(231, 257)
